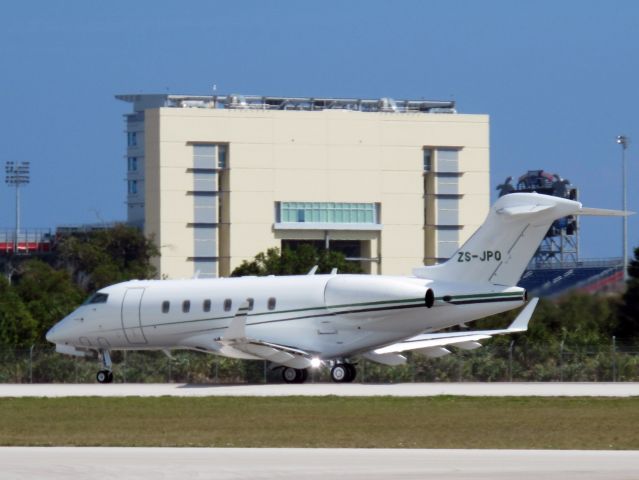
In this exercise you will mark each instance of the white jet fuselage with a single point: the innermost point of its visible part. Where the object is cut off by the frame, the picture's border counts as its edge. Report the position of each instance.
(330, 316)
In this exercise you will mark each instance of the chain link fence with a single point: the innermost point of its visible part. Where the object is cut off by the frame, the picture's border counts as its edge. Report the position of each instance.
(492, 363)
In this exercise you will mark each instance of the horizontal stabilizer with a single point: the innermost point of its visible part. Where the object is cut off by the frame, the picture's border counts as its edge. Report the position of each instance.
(523, 210)
(602, 212)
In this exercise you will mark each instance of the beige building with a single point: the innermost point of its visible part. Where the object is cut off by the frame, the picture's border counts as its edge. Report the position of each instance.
(218, 179)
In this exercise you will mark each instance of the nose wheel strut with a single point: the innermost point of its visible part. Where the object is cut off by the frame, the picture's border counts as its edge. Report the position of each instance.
(105, 375)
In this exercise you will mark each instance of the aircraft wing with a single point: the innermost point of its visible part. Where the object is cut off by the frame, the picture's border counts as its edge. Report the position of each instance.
(235, 338)
(432, 344)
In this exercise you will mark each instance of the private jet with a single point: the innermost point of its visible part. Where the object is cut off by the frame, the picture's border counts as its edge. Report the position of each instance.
(303, 321)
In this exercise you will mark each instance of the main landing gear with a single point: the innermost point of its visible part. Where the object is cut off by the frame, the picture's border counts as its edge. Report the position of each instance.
(294, 375)
(106, 374)
(343, 372)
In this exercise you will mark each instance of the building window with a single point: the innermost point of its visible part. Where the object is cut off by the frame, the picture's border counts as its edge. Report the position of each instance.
(210, 156)
(166, 305)
(441, 159)
(271, 303)
(447, 160)
(327, 212)
(205, 267)
(186, 306)
(132, 187)
(447, 210)
(228, 303)
(428, 160)
(133, 164)
(221, 156)
(206, 306)
(132, 139)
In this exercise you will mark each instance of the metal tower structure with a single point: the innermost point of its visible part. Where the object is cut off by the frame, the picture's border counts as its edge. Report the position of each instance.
(560, 246)
(16, 175)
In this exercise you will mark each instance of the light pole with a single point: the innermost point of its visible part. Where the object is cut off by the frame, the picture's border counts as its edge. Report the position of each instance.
(16, 174)
(623, 141)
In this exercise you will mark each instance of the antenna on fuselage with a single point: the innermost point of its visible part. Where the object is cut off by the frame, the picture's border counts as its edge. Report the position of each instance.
(312, 270)
(334, 271)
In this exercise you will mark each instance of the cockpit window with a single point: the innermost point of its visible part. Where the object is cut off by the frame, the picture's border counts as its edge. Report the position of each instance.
(97, 298)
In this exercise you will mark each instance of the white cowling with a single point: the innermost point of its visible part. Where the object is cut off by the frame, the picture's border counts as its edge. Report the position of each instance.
(362, 294)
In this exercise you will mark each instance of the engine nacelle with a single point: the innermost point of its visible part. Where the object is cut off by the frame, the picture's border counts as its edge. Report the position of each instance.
(361, 295)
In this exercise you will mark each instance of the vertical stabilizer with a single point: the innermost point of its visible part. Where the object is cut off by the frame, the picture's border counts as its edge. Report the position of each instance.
(501, 248)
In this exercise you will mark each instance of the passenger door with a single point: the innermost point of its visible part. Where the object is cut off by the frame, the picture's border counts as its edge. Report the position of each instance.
(131, 320)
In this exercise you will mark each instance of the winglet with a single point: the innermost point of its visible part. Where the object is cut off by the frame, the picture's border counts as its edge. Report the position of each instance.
(520, 324)
(237, 328)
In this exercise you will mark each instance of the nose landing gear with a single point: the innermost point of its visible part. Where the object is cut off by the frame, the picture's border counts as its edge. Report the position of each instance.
(106, 374)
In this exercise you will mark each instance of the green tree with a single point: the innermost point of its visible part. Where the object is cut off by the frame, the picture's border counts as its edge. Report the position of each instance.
(103, 257)
(48, 294)
(628, 314)
(296, 262)
(17, 327)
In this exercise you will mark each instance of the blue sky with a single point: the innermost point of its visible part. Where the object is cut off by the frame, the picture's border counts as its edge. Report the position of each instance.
(558, 79)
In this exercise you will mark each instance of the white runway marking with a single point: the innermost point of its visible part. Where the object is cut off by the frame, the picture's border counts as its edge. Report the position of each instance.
(56, 463)
(323, 389)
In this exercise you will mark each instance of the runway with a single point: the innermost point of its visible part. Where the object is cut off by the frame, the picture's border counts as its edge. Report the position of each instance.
(56, 463)
(323, 389)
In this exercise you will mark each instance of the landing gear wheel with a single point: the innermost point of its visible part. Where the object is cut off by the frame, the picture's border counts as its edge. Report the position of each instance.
(104, 376)
(289, 375)
(352, 372)
(343, 372)
(294, 375)
(340, 373)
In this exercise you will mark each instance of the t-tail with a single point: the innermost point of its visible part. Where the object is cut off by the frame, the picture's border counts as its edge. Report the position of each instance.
(499, 251)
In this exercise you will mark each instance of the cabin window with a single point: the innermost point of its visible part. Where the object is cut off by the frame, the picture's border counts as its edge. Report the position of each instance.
(227, 305)
(186, 306)
(166, 305)
(206, 306)
(251, 302)
(271, 303)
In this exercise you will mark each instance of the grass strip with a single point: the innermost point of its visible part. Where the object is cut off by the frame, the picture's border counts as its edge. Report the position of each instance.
(371, 422)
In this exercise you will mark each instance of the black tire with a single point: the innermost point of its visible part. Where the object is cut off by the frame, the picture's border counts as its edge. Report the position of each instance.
(340, 373)
(304, 375)
(103, 376)
(110, 377)
(352, 372)
(290, 375)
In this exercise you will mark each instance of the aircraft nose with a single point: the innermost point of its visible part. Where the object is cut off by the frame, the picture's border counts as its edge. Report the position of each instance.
(58, 333)
(52, 335)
